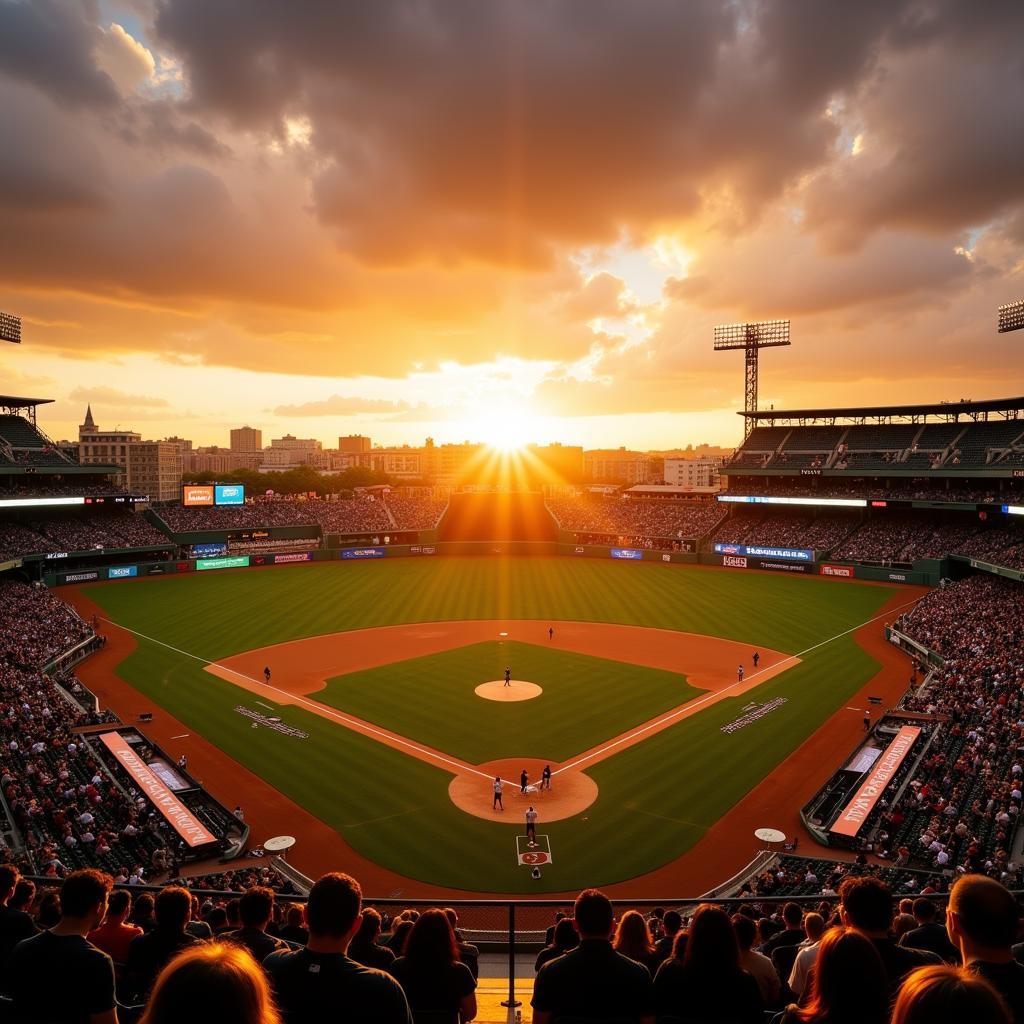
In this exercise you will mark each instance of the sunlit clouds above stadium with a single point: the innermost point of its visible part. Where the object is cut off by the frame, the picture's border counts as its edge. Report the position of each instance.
(504, 222)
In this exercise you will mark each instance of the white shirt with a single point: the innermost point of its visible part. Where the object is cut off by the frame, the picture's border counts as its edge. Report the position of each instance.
(802, 965)
(531, 817)
(497, 789)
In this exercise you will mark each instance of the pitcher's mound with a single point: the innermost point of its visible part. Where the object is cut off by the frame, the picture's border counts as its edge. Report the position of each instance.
(519, 690)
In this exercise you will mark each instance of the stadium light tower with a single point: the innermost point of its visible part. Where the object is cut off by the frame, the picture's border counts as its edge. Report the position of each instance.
(751, 338)
(10, 328)
(1011, 317)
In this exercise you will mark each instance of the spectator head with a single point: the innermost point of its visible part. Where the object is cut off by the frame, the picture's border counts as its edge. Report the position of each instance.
(453, 918)
(814, 926)
(222, 978)
(83, 896)
(593, 914)
(24, 895)
(632, 937)
(672, 921)
(565, 934)
(982, 918)
(906, 906)
(142, 912)
(217, 918)
(792, 915)
(49, 909)
(369, 927)
(746, 931)
(256, 907)
(848, 983)
(401, 935)
(431, 943)
(903, 924)
(293, 915)
(712, 950)
(119, 905)
(866, 904)
(948, 995)
(9, 876)
(924, 910)
(333, 909)
(173, 908)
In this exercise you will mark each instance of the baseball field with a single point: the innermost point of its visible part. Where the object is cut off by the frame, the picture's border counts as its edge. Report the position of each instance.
(622, 679)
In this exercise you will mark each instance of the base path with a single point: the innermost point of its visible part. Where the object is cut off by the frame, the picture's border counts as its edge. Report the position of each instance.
(302, 667)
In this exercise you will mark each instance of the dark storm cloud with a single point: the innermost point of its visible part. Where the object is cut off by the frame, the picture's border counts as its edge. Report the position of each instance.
(50, 44)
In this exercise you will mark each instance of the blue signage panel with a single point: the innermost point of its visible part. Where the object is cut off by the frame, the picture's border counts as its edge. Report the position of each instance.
(120, 572)
(626, 553)
(363, 552)
(229, 494)
(757, 551)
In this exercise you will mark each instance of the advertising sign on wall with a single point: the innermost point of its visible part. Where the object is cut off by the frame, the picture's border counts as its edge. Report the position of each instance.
(349, 553)
(295, 556)
(846, 571)
(779, 566)
(632, 553)
(80, 577)
(229, 494)
(120, 572)
(794, 554)
(196, 495)
(231, 562)
(734, 561)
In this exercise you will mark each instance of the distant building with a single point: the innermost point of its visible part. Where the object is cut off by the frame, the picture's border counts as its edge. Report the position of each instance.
(623, 466)
(106, 447)
(183, 443)
(405, 463)
(154, 468)
(354, 444)
(694, 474)
(246, 439)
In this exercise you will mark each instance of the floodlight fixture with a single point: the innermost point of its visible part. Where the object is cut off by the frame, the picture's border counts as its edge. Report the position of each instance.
(1011, 317)
(751, 338)
(10, 328)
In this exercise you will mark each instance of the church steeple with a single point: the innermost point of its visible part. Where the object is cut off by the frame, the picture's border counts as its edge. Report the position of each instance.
(89, 426)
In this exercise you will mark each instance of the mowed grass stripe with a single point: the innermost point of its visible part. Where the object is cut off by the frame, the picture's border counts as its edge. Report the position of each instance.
(586, 700)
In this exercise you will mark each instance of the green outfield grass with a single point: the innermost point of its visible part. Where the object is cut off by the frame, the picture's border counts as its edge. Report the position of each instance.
(432, 700)
(656, 798)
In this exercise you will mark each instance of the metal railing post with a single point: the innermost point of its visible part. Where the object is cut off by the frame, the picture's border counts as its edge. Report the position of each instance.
(511, 1002)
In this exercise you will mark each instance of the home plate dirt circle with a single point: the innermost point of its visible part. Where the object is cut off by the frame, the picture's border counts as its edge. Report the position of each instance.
(519, 689)
(571, 791)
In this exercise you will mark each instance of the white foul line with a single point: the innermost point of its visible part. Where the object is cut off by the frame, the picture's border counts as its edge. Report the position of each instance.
(686, 708)
(315, 706)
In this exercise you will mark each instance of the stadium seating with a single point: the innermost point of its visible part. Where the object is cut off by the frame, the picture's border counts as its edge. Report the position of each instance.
(641, 520)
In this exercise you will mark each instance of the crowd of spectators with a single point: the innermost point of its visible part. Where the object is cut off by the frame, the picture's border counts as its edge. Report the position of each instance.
(36, 627)
(961, 809)
(903, 537)
(858, 958)
(636, 518)
(990, 492)
(33, 487)
(358, 515)
(90, 531)
(785, 529)
(1000, 545)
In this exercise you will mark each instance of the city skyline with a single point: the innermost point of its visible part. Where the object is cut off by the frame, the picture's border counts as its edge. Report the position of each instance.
(410, 222)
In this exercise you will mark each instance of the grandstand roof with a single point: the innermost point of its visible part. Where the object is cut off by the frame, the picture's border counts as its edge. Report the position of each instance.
(1009, 408)
(13, 402)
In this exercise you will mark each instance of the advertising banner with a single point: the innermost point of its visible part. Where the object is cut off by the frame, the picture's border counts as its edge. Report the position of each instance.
(774, 499)
(734, 561)
(120, 572)
(778, 566)
(209, 550)
(193, 495)
(632, 553)
(231, 562)
(846, 571)
(229, 494)
(794, 554)
(295, 556)
(856, 811)
(179, 816)
(348, 553)
(80, 577)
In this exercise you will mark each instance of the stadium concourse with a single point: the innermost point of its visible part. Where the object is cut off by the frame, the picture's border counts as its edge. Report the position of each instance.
(858, 494)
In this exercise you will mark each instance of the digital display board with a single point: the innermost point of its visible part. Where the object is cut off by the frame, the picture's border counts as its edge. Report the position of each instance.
(350, 553)
(757, 551)
(192, 494)
(773, 499)
(229, 494)
(632, 553)
(120, 572)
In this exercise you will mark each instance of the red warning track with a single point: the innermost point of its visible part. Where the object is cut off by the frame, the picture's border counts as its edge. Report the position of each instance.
(722, 851)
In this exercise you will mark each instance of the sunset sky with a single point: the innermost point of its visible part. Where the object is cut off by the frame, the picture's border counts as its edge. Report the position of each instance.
(475, 219)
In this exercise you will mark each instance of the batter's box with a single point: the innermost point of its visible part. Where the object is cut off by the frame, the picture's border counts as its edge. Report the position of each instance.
(533, 856)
